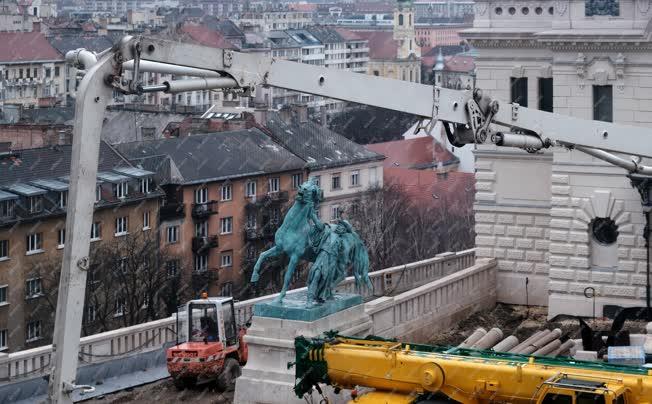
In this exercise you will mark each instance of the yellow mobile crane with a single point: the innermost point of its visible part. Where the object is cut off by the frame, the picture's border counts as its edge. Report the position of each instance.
(401, 373)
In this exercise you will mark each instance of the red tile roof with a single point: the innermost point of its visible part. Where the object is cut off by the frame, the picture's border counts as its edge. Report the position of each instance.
(26, 47)
(419, 152)
(459, 63)
(348, 35)
(206, 36)
(453, 191)
(305, 7)
(381, 44)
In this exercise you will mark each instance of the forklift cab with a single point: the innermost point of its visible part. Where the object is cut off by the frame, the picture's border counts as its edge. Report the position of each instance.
(212, 320)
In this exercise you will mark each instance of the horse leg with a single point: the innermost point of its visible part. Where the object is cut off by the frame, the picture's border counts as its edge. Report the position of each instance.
(272, 252)
(294, 259)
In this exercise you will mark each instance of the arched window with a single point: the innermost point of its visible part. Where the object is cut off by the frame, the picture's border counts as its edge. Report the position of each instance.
(410, 75)
(400, 19)
(410, 20)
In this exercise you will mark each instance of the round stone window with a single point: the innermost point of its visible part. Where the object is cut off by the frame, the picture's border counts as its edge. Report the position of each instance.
(538, 10)
(498, 10)
(551, 10)
(512, 10)
(604, 230)
(525, 11)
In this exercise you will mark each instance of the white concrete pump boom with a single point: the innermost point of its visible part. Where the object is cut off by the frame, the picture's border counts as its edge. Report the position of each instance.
(468, 116)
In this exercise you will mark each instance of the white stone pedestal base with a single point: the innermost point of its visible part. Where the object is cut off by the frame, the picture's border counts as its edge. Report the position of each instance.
(266, 379)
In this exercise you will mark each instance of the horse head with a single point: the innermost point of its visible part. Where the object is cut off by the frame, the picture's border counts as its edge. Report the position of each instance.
(309, 192)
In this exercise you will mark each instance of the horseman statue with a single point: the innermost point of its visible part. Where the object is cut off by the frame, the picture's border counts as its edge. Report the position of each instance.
(332, 248)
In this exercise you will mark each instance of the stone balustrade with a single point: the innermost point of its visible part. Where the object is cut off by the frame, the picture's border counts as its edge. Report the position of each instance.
(386, 283)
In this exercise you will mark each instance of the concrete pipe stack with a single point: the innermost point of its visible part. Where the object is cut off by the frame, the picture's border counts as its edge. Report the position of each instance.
(541, 343)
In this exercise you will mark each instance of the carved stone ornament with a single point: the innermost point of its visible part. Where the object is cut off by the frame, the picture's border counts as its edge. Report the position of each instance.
(480, 8)
(518, 71)
(619, 65)
(561, 7)
(643, 6)
(546, 71)
(580, 68)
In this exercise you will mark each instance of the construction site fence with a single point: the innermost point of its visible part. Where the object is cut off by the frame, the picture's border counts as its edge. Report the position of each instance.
(154, 334)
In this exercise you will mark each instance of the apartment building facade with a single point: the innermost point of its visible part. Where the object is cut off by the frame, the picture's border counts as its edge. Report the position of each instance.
(33, 202)
(225, 197)
(264, 21)
(32, 72)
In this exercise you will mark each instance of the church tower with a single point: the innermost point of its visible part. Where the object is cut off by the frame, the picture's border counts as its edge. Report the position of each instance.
(404, 31)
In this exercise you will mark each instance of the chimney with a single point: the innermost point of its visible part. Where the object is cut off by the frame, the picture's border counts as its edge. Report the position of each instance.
(36, 26)
(301, 112)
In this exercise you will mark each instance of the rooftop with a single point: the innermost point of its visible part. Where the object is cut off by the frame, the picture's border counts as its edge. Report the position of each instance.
(419, 153)
(212, 157)
(320, 147)
(16, 47)
(203, 35)
(381, 44)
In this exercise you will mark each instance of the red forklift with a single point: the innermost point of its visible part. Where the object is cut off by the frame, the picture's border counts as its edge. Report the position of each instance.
(214, 349)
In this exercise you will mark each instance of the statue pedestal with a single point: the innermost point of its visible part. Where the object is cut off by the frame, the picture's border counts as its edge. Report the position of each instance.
(266, 379)
(294, 307)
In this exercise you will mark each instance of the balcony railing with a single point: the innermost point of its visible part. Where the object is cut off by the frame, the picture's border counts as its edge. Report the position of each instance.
(201, 244)
(202, 210)
(266, 199)
(251, 233)
(171, 211)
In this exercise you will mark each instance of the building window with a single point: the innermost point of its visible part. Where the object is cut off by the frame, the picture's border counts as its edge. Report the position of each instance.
(227, 259)
(519, 90)
(226, 192)
(145, 185)
(35, 204)
(91, 313)
(250, 190)
(4, 250)
(251, 220)
(545, 94)
(603, 103)
(98, 193)
(7, 208)
(121, 226)
(120, 190)
(297, 179)
(227, 289)
(63, 199)
(33, 288)
(96, 231)
(335, 212)
(33, 330)
(172, 268)
(119, 306)
(3, 340)
(601, 7)
(57, 71)
(201, 229)
(226, 225)
(146, 220)
(373, 176)
(336, 181)
(35, 243)
(317, 180)
(48, 72)
(274, 184)
(3, 294)
(62, 238)
(201, 263)
(355, 178)
(400, 19)
(201, 195)
(172, 234)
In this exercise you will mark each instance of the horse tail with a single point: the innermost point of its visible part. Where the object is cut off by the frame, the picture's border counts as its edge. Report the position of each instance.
(360, 259)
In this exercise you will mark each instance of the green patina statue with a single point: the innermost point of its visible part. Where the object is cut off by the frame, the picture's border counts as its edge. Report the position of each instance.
(332, 248)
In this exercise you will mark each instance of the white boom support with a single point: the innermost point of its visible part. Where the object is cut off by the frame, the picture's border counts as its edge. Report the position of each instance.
(469, 113)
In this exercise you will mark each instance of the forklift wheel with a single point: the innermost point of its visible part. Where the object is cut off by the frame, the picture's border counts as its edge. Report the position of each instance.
(231, 371)
(182, 383)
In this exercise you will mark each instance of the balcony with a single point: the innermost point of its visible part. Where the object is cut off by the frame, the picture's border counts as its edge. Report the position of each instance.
(201, 244)
(203, 210)
(269, 230)
(171, 211)
(251, 234)
(258, 201)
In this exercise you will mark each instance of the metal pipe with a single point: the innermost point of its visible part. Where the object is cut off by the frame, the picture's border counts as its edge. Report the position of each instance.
(565, 347)
(522, 345)
(548, 348)
(506, 344)
(518, 140)
(179, 86)
(153, 88)
(81, 58)
(629, 165)
(473, 338)
(492, 337)
(165, 68)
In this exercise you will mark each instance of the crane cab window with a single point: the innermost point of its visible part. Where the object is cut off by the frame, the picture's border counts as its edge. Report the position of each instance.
(589, 398)
(228, 314)
(203, 323)
(555, 398)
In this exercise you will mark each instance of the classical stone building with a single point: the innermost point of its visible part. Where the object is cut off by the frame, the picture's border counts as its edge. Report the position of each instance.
(561, 224)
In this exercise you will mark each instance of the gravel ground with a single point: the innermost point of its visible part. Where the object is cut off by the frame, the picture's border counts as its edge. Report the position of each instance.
(164, 392)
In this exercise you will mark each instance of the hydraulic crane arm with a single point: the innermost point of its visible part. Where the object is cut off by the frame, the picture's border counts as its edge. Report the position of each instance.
(468, 116)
